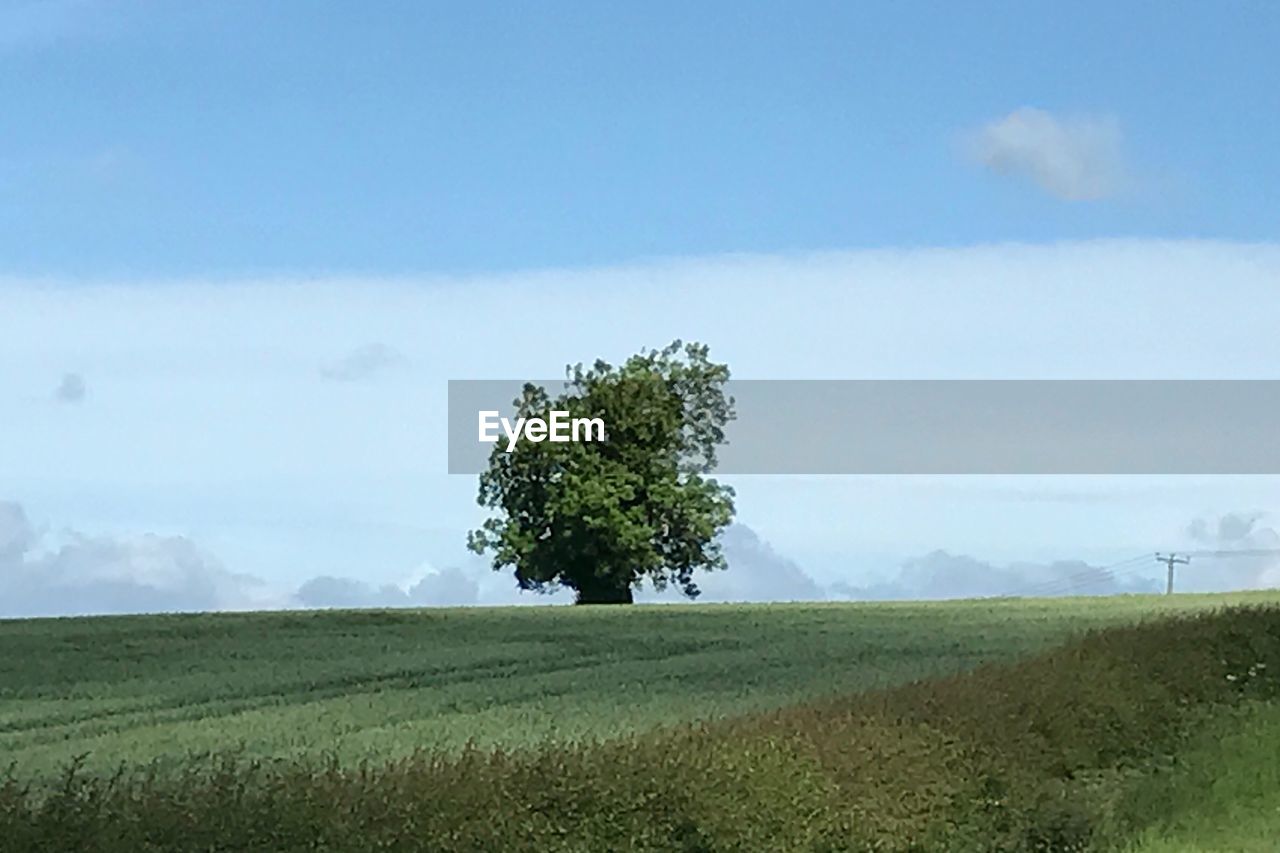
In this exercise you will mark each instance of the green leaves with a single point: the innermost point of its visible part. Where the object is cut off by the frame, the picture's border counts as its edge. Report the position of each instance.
(599, 517)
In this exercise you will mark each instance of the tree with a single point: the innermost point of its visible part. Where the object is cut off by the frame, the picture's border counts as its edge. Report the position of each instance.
(599, 517)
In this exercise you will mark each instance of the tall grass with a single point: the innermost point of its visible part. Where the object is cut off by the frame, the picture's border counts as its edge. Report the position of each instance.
(1038, 755)
(1222, 794)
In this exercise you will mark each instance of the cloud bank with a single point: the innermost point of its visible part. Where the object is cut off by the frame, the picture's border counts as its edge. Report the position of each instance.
(1231, 532)
(756, 572)
(84, 575)
(209, 412)
(1074, 159)
(942, 575)
(451, 587)
(80, 574)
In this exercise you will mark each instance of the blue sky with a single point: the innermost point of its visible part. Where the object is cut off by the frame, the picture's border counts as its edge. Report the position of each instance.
(177, 139)
(243, 246)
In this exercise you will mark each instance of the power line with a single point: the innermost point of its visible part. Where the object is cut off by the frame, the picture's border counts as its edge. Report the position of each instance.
(1109, 577)
(1085, 584)
(1079, 580)
(1068, 582)
(1239, 552)
(1172, 559)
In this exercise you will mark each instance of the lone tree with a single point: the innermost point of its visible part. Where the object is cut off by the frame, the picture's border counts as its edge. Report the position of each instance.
(599, 517)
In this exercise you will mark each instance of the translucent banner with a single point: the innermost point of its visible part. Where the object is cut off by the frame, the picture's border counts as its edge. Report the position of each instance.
(950, 426)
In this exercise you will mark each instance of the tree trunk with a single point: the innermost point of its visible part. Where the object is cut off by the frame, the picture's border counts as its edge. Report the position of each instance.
(597, 591)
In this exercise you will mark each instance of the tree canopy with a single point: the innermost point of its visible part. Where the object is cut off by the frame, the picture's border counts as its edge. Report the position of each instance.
(600, 517)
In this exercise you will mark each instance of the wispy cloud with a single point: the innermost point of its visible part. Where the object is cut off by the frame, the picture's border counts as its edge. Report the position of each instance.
(363, 363)
(37, 23)
(1072, 158)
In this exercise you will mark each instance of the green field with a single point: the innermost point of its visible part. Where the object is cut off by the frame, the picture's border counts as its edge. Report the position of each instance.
(1004, 725)
(1224, 795)
(380, 684)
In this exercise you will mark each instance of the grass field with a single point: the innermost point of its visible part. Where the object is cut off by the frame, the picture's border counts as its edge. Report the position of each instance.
(959, 726)
(380, 684)
(1224, 794)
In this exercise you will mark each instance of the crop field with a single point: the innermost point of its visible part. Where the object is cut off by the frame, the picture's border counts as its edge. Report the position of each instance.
(1141, 724)
(379, 685)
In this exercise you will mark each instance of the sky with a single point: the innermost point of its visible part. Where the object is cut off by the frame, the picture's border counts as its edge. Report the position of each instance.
(244, 246)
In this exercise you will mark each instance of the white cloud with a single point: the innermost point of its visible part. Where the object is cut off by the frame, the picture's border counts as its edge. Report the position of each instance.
(208, 415)
(756, 572)
(942, 575)
(1233, 531)
(100, 574)
(1074, 158)
(474, 584)
(17, 536)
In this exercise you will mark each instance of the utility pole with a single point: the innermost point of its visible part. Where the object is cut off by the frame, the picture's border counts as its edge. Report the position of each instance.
(1171, 560)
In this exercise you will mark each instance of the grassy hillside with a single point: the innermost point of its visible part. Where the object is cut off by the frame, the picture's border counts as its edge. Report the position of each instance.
(380, 684)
